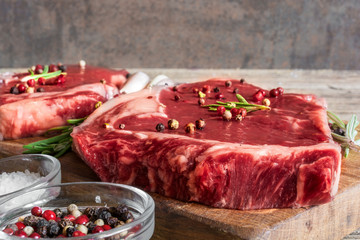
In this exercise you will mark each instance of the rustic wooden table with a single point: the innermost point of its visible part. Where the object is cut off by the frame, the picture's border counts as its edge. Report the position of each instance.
(178, 220)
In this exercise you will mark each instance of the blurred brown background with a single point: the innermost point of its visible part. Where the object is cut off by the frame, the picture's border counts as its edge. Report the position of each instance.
(182, 34)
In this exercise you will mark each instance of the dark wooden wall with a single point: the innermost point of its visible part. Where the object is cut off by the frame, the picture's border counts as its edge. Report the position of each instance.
(182, 34)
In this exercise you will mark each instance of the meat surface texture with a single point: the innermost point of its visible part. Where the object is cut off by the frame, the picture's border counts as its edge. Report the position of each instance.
(31, 114)
(283, 157)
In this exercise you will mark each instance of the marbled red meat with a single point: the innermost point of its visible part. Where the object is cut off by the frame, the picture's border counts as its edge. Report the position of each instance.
(284, 157)
(31, 114)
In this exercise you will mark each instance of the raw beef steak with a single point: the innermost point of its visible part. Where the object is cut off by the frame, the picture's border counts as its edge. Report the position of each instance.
(31, 114)
(283, 157)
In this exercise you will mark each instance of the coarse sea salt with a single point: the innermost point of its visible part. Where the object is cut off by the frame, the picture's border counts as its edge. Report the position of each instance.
(10, 182)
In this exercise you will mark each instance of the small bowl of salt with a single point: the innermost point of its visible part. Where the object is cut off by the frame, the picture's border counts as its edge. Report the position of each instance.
(23, 172)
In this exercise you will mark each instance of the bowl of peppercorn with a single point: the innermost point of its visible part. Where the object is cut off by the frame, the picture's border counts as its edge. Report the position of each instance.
(22, 172)
(80, 210)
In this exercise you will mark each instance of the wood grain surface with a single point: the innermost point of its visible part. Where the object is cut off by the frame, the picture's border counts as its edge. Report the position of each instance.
(179, 220)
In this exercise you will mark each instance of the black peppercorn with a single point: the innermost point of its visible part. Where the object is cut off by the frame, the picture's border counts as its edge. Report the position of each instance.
(65, 222)
(174, 88)
(121, 126)
(62, 68)
(228, 83)
(160, 127)
(58, 212)
(42, 223)
(14, 90)
(70, 231)
(40, 89)
(128, 75)
(31, 220)
(42, 231)
(177, 97)
(53, 229)
(104, 214)
(126, 216)
(216, 90)
(242, 81)
(236, 90)
(90, 226)
(112, 221)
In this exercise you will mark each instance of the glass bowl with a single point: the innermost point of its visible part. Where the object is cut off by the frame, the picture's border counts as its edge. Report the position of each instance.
(47, 166)
(89, 194)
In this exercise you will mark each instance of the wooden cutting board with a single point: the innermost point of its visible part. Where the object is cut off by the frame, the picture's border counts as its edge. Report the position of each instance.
(179, 220)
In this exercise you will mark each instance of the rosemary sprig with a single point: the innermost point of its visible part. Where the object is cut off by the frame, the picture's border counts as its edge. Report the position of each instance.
(57, 145)
(344, 133)
(242, 103)
(45, 74)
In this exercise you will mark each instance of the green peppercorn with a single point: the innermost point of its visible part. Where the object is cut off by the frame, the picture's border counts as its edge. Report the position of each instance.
(173, 124)
(98, 104)
(160, 127)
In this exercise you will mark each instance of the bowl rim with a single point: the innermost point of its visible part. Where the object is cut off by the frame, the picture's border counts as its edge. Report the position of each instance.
(149, 209)
(47, 178)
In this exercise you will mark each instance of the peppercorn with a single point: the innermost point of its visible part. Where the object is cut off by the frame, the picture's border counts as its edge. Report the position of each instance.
(38, 69)
(160, 127)
(200, 124)
(173, 124)
(53, 229)
(99, 222)
(195, 90)
(120, 209)
(219, 96)
(258, 96)
(65, 222)
(238, 117)
(90, 226)
(236, 90)
(281, 90)
(216, 90)
(58, 212)
(126, 216)
(62, 67)
(41, 81)
(190, 128)
(12, 227)
(14, 90)
(42, 231)
(201, 101)
(98, 104)
(274, 92)
(206, 89)
(69, 231)
(82, 228)
(76, 213)
(42, 223)
(266, 102)
(112, 221)
(121, 126)
(31, 82)
(21, 88)
(106, 125)
(40, 89)
(220, 110)
(234, 111)
(228, 84)
(242, 112)
(30, 90)
(201, 94)
(177, 97)
(31, 220)
(89, 211)
(227, 115)
(242, 81)
(174, 88)
(104, 214)
(103, 81)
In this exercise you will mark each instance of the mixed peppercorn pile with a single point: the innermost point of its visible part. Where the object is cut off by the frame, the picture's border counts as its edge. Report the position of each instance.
(72, 222)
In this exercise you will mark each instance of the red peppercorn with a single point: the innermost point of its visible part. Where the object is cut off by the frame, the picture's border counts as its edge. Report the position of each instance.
(20, 233)
(195, 90)
(8, 231)
(31, 82)
(258, 96)
(281, 90)
(39, 69)
(83, 219)
(36, 211)
(70, 217)
(21, 88)
(53, 68)
(206, 89)
(234, 111)
(20, 225)
(219, 96)
(78, 234)
(60, 79)
(35, 235)
(242, 112)
(220, 110)
(263, 92)
(106, 227)
(97, 229)
(41, 81)
(49, 215)
(274, 92)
